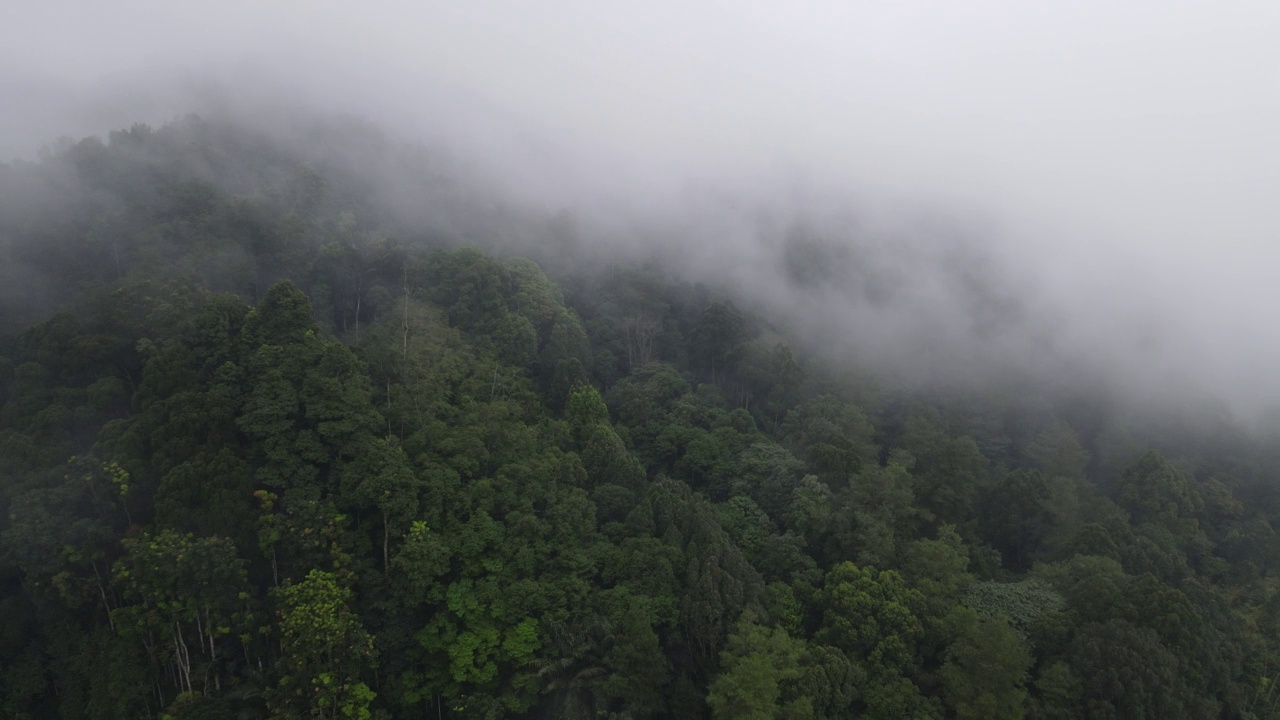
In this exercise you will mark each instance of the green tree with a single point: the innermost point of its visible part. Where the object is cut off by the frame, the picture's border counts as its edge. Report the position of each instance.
(324, 651)
(834, 438)
(381, 479)
(1017, 517)
(718, 340)
(1153, 490)
(938, 569)
(1126, 672)
(876, 513)
(950, 472)
(187, 602)
(759, 668)
(986, 669)
(871, 615)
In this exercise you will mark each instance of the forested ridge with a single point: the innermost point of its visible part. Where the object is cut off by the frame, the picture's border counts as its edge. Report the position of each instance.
(270, 450)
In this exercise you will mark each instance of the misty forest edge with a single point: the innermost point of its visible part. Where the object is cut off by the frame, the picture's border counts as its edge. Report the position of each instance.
(273, 447)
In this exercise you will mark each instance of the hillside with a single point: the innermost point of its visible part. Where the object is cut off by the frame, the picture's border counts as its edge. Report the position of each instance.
(278, 441)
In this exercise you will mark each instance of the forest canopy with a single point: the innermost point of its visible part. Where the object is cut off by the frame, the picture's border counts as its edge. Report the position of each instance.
(270, 447)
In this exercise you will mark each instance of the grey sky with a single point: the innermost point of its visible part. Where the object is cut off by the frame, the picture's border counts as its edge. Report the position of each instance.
(1129, 148)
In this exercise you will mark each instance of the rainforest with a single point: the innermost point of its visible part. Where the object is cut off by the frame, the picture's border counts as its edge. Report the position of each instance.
(273, 447)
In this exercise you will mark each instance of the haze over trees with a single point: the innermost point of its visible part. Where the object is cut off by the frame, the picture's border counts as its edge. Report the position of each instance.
(280, 441)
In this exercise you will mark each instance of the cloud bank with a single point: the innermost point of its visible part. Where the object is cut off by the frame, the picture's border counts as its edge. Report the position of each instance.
(1109, 168)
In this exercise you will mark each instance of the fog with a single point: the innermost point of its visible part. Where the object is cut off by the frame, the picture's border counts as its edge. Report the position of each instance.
(1068, 185)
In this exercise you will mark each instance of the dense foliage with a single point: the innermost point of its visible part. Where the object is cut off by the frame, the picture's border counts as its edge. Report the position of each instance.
(265, 453)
